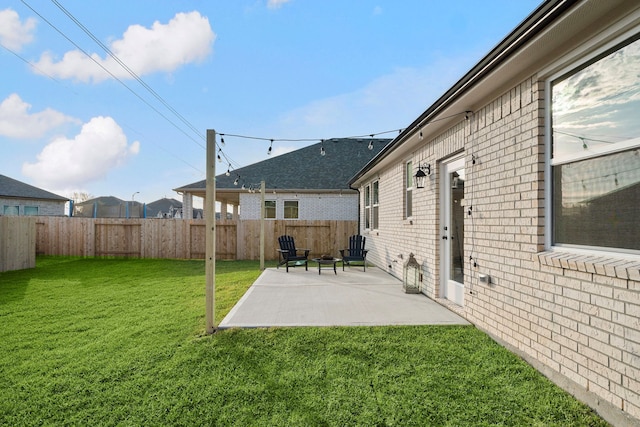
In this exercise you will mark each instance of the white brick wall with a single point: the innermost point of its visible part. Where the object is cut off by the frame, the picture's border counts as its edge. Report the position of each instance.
(327, 206)
(575, 316)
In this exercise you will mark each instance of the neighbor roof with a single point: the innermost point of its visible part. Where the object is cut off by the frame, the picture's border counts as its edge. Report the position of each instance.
(303, 169)
(103, 201)
(162, 205)
(10, 187)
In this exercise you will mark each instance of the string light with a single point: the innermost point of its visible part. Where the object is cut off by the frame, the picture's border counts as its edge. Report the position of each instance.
(323, 152)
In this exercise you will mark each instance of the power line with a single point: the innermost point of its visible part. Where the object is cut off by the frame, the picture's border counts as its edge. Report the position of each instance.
(129, 70)
(111, 74)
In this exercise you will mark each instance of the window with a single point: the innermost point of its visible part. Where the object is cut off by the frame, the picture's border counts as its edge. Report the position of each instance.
(408, 198)
(367, 207)
(11, 210)
(595, 152)
(31, 210)
(375, 205)
(291, 209)
(270, 209)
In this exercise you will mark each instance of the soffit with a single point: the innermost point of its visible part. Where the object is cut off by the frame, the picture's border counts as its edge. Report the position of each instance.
(584, 21)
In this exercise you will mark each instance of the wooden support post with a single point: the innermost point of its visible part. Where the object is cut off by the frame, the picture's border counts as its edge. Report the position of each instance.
(262, 209)
(210, 247)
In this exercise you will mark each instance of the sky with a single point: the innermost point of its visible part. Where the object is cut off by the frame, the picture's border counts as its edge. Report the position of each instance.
(115, 98)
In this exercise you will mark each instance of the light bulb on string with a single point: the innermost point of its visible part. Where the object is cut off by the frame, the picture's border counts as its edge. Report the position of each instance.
(270, 148)
(222, 141)
(219, 158)
(322, 152)
(235, 182)
(228, 173)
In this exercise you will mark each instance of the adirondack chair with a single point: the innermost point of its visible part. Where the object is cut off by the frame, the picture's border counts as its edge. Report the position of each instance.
(355, 253)
(289, 255)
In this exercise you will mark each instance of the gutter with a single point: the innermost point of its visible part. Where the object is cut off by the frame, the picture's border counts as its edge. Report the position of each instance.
(534, 24)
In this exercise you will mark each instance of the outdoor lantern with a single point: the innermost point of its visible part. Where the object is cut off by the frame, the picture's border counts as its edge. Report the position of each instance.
(411, 282)
(421, 175)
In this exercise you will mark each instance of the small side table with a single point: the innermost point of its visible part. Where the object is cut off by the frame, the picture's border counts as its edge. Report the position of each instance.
(327, 262)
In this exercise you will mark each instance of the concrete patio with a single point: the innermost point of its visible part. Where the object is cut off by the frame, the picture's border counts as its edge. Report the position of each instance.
(348, 298)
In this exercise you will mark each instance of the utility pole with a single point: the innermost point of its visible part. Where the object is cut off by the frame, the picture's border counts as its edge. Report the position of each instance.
(210, 219)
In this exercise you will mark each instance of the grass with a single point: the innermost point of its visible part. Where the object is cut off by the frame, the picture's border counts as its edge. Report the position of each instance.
(121, 342)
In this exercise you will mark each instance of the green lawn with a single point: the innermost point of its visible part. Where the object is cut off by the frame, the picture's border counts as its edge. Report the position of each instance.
(121, 342)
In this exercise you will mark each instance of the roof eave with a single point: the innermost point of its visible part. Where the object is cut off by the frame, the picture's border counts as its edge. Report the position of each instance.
(536, 22)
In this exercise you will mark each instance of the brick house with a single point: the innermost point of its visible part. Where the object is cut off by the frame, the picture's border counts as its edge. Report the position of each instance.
(517, 191)
(18, 198)
(303, 184)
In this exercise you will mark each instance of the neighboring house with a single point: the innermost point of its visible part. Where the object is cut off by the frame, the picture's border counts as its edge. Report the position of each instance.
(18, 198)
(302, 184)
(108, 207)
(527, 220)
(168, 208)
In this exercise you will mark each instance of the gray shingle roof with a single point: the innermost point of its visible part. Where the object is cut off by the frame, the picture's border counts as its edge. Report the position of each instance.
(162, 205)
(102, 201)
(10, 187)
(304, 169)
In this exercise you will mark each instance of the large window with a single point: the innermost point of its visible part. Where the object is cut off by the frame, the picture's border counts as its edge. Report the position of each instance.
(291, 209)
(408, 195)
(595, 153)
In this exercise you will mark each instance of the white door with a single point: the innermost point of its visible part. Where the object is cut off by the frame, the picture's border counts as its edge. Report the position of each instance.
(452, 230)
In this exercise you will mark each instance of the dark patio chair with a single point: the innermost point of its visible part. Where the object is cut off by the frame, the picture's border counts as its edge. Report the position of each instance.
(355, 253)
(289, 255)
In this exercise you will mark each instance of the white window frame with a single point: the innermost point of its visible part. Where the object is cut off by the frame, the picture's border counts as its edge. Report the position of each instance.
(409, 186)
(367, 206)
(35, 208)
(567, 64)
(284, 208)
(275, 209)
(10, 208)
(375, 205)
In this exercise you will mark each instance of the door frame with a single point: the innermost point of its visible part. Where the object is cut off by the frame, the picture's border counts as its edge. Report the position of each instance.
(449, 288)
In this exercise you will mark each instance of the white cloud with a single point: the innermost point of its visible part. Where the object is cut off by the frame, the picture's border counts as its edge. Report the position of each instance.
(17, 122)
(13, 33)
(389, 102)
(67, 164)
(186, 38)
(276, 4)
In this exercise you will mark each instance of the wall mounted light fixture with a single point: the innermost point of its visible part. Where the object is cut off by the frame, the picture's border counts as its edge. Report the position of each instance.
(424, 170)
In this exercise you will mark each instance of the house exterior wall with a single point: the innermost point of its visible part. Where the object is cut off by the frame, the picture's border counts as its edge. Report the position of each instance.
(574, 317)
(319, 206)
(45, 207)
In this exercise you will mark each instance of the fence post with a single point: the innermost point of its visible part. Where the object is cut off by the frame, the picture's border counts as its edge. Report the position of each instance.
(210, 245)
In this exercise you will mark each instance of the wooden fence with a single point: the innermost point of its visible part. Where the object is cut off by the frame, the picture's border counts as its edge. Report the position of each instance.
(183, 239)
(17, 243)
